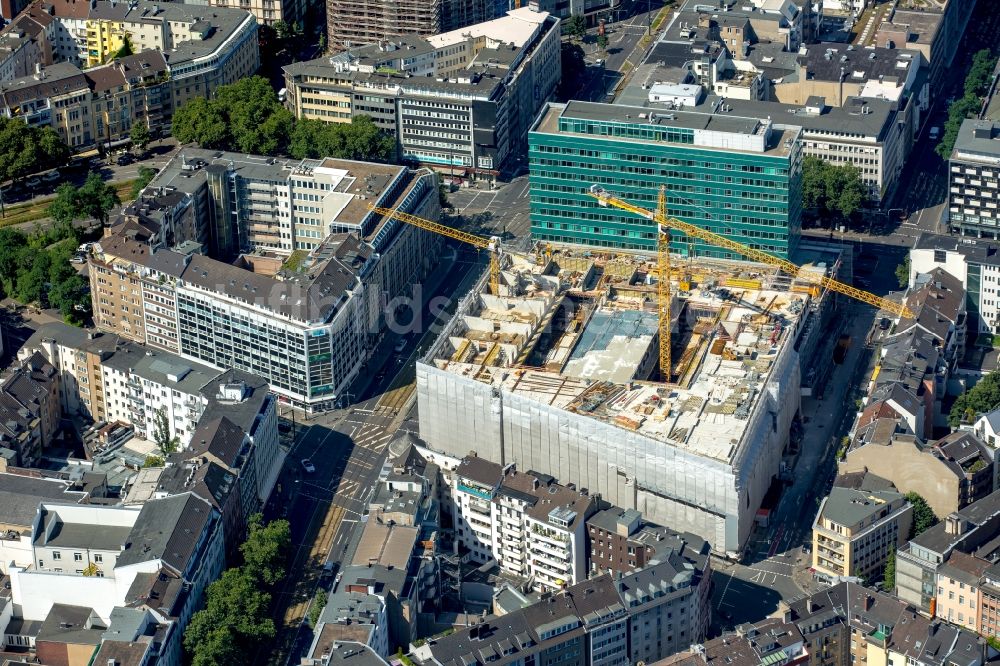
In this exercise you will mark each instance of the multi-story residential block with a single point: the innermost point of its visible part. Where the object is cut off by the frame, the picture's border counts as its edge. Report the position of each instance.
(855, 530)
(25, 43)
(619, 541)
(105, 558)
(975, 263)
(965, 531)
(974, 180)
(842, 625)
(950, 473)
(989, 601)
(482, 85)
(353, 23)
(29, 409)
(646, 615)
(322, 316)
(528, 523)
(204, 48)
(959, 599)
(736, 176)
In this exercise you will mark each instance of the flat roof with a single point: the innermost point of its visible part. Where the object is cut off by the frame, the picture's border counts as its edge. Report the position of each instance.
(978, 140)
(777, 139)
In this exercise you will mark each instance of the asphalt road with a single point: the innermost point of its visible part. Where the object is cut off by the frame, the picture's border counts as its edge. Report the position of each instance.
(348, 448)
(503, 211)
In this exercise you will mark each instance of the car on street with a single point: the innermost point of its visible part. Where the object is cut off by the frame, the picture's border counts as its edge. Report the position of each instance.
(125, 160)
(308, 466)
(78, 258)
(400, 345)
(34, 182)
(934, 133)
(51, 176)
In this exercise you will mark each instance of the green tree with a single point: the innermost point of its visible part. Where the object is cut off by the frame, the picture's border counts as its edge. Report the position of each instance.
(257, 121)
(889, 578)
(575, 26)
(981, 398)
(161, 433)
(234, 621)
(903, 272)
(993, 642)
(140, 135)
(96, 198)
(830, 189)
(977, 82)
(153, 461)
(200, 121)
(319, 602)
(33, 278)
(124, 51)
(266, 549)
(12, 243)
(145, 176)
(602, 42)
(321, 44)
(65, 207)
(923, 516)
(361, 139)
(53, 150)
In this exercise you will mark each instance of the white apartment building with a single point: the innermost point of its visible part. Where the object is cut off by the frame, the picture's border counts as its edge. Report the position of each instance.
(526, 522)
(973, 261)
(104, 557)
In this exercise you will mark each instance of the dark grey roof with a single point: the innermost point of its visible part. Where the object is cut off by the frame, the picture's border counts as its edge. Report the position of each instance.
(354, 654)
(982, 519)
(168, 529)
(210, 481)
(56, 532)
(74, 337)
(72, 625)
(20, 496)
(481, 470)
(220, 437)
(164, 261)
(848, 507)
(242, 412)
(982, 251)
(161, 367)
(858, 117)
(824, 62)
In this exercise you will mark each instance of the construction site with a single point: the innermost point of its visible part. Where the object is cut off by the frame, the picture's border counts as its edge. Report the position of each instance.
(558, 370)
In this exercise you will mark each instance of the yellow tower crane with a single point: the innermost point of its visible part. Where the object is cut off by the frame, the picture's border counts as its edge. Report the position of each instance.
(492, 244)
(784, 265)
(663, 286)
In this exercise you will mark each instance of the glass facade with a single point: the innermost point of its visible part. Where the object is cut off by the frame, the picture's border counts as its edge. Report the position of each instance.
(752, 198)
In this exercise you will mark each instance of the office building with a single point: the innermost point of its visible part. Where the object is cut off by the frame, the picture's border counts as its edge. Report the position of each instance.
(322, 309)
(935, 28)
(482, 85)
(855, 530)
(974, 180)
(736, 176)
(525, 521)
(566, 386)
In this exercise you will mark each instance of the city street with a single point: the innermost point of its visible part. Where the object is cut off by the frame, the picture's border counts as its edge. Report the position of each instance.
(348, 448)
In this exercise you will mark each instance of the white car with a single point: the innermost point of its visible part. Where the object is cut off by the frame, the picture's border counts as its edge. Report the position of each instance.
(308, 466)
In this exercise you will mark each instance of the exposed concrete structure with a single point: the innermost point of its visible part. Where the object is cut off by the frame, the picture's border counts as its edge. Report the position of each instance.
(698, 455)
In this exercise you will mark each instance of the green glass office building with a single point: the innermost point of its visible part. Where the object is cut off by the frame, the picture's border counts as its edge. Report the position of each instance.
(739, 177)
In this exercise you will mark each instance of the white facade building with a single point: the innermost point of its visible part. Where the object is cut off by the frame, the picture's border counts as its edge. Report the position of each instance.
(528, 523)
(973, 261)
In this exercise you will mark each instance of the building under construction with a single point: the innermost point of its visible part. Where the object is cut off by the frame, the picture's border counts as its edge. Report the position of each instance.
(558, 373)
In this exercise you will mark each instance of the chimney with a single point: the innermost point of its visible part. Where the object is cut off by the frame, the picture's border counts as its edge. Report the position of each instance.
(869, 602)
(954, 525)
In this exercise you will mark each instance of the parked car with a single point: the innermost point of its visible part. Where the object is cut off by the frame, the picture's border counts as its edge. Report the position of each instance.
(400, 345)
(78, 258)
(34, 183)
(308, 466)
(934, 133)
(126, 159)
(51, 176)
